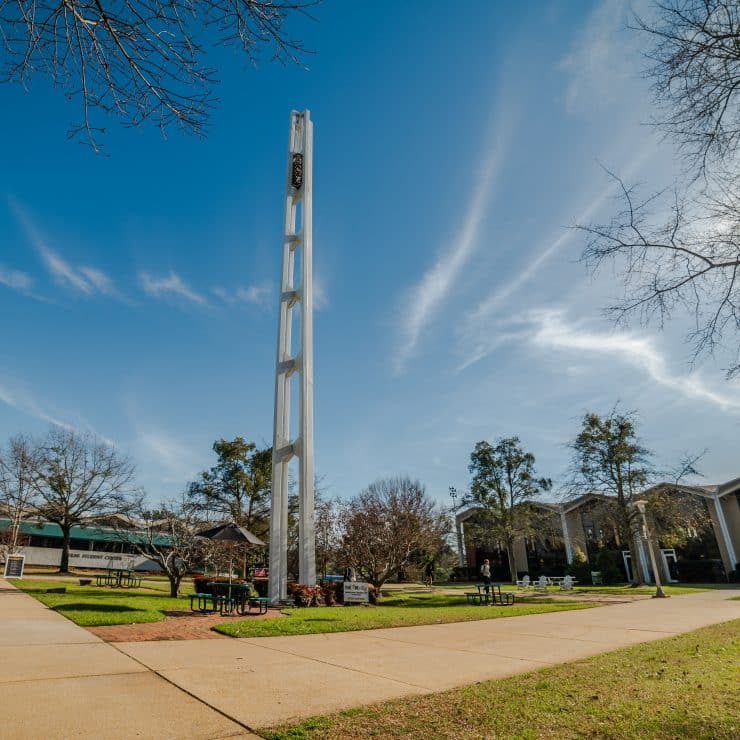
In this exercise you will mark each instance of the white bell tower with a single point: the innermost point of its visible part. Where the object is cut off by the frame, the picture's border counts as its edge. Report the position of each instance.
(297, 240)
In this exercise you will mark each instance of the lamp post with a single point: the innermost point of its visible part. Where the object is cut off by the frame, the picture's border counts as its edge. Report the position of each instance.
(659, 593)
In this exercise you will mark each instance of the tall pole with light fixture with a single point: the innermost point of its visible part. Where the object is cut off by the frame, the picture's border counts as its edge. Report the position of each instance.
(659, 593)
(297, 241)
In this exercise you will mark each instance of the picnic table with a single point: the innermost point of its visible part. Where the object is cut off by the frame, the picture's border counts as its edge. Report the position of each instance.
(118, 578)
(229, 598)
(491, 594)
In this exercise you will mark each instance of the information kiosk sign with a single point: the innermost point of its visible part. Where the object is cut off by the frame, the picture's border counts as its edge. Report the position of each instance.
(355, 592)
(14, 566)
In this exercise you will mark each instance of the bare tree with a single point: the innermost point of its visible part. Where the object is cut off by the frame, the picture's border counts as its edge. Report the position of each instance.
(76, 476)
(140, 59)
(686, 260)
(17, 464)
(167, 536)
(690, 261)
(695, 70)
(389, 524)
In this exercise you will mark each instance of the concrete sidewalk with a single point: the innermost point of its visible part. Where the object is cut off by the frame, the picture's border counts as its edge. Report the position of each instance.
(266, 681)
(58, 680)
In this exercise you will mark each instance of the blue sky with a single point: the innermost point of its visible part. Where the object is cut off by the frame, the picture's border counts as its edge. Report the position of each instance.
(138, 289)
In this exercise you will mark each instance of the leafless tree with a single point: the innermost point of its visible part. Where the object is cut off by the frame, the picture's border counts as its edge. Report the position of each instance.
(684, 254)
(17, 464)
(77, 477)
(695, 70)
(328, 534)
(140, 59)
(690, 261)
(389, 524)
(167, 536)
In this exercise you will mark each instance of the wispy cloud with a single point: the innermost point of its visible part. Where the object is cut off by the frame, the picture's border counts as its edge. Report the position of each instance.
(604, 59)
(22, 401)
(256, 295)
(550, 330)
(15, 279)
(159, 450)
(428, 294)
(171, 284)
(320, 293)
(475, 332)
(86, 280)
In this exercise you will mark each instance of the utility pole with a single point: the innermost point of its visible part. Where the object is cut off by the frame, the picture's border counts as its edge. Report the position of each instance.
(297, 241)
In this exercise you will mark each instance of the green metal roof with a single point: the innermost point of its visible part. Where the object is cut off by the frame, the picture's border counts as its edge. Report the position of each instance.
(87, 532)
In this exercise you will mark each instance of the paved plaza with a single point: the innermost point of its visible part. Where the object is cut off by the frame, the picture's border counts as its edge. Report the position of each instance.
(62, 681)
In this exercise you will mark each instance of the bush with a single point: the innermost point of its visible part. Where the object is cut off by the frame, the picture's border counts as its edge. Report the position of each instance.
(607, 561)
(463, 573)
(580, 569)
(304, 595)
(201, 583)
(333, 592)
(701, 571)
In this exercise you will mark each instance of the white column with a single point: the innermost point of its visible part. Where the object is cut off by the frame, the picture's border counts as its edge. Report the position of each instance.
(306, 534)
(643, 560)
(298, 187)
(566, 538)
(460, 544)
(725, 530)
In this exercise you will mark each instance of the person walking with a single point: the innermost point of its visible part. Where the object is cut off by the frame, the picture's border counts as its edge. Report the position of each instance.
(485, 572)
(429, 573)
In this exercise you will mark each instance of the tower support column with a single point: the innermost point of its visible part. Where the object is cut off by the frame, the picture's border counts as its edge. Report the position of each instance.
(297, 241)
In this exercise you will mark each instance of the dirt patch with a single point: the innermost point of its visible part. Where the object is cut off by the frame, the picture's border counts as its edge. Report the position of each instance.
(178, 625)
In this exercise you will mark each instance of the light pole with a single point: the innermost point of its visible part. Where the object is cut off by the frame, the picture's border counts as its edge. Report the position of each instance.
(453, 496)
(659, 593)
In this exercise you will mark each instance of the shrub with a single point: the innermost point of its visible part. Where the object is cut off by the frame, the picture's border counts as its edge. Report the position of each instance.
(701, 571)
(201, 586)
(332, 592)
(260, 586)
(607, 561)
(304, 595)
(579, 568)
(463, 573)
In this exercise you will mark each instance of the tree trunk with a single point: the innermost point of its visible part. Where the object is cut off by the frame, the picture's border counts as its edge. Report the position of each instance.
(512, 561)
(174, 586)
(638, 578)
(64, 564)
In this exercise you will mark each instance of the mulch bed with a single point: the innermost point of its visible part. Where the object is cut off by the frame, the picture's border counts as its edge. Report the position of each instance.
(178, 625)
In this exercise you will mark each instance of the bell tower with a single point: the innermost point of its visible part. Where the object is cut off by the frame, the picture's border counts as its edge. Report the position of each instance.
(297, 245)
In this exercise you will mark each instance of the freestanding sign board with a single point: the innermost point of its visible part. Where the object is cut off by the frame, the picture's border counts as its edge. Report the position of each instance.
(14, 566)
(355, 592)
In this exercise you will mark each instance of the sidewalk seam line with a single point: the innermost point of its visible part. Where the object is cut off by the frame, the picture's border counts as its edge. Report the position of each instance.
(185, 691)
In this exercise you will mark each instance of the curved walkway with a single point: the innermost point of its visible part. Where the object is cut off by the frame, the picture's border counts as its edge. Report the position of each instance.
(62, 681)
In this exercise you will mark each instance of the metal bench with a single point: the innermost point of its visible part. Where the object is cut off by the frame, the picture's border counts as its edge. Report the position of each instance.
(202, 603)
(259, 602)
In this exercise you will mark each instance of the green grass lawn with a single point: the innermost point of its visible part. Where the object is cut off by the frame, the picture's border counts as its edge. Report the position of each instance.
(670, 589)
(89, 606)
(401, 610)
(681, 687)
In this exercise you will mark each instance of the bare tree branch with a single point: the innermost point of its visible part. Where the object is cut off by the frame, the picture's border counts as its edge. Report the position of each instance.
(689, 262)
(140, 59)
(696, 76)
